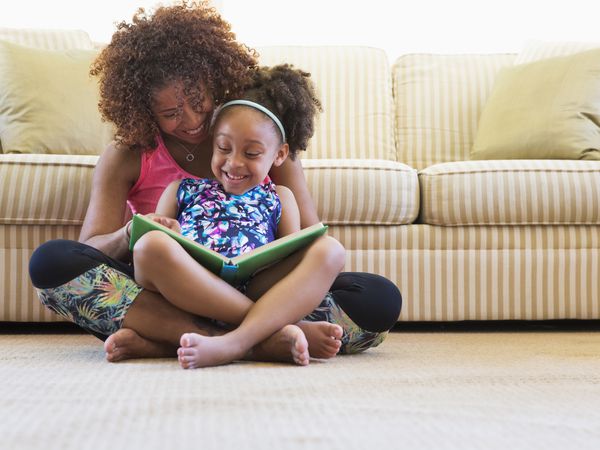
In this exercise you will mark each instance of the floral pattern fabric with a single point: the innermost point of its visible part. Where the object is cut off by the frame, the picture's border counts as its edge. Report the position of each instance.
(354, 338)
(96, 300)
(227, 223)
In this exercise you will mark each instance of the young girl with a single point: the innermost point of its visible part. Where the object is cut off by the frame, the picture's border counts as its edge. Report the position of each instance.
(241, 209)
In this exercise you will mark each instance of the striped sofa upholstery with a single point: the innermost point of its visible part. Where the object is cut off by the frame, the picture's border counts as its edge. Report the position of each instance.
(495, 240)
(389, 170)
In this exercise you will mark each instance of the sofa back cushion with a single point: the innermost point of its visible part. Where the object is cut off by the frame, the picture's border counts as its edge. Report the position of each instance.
(438, 100)
(547, 109)
(535, 50)
(48, 102)
(354, 86)
(47, 39)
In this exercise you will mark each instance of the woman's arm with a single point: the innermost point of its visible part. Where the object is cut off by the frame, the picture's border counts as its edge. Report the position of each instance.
(290, 174)
(103, 228)
(290, 215)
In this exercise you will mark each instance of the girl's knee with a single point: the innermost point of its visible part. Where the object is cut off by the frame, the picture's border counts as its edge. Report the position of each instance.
(150, 246)
(152, 253)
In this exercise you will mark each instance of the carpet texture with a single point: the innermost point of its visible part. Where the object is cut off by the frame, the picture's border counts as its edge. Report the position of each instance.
(417, 390)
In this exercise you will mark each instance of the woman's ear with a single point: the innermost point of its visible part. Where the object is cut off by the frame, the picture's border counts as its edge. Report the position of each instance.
(281, 155)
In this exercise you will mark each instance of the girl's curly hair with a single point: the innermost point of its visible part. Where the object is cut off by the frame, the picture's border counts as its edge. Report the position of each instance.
(290, 94)
(189, 43)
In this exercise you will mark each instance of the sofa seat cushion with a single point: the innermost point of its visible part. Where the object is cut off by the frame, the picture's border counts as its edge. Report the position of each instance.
(55, 190)
(363, 191)
(509, 192)
(45, 189)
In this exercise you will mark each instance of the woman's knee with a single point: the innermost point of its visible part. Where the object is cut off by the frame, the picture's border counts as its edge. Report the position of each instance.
(57, 261)
(372, 301)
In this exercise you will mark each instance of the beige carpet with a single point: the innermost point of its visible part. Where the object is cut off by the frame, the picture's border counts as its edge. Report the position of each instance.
(417, 390)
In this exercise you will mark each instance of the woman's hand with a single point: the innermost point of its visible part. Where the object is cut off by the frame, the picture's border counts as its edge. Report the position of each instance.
(165, 221)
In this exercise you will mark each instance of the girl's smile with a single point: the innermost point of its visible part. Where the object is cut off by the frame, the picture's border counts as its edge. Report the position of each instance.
(246, 145)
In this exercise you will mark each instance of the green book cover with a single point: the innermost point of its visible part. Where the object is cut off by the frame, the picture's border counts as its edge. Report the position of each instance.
(233, 270)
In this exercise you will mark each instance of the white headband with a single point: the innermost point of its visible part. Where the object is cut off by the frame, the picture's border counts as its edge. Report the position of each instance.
(261, 108)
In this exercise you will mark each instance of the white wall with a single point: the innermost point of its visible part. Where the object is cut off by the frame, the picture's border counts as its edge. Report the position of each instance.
(96, 17)
(399, 26)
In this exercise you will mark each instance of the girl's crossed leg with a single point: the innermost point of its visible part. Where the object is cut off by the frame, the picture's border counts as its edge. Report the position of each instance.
(284, 293)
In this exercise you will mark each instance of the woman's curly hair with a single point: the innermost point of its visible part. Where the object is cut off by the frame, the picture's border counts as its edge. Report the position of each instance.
(290, 94)
(189, 43)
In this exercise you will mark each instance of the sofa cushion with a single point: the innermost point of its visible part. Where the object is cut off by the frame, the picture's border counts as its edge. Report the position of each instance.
(523, 192)
(438, 101)
(47, 39)
(45, 189)
(353, 84)
(55, 190)
(363, 192)
(48, 102)
(545, 109)
(535, 50)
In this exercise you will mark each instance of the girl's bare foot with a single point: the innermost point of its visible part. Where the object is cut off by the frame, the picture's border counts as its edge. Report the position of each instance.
(288, 344)
(323, 338)
(204, 351)
(127, 344)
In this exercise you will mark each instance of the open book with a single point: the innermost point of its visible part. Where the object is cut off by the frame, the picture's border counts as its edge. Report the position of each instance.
(241, 268)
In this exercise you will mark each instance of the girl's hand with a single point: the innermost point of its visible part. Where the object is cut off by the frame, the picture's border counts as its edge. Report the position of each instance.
(165, 221)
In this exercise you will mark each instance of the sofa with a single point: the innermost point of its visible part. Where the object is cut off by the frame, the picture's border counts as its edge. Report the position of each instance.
(390, 168)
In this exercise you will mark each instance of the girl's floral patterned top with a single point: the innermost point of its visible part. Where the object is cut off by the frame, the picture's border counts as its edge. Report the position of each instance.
(227, 223)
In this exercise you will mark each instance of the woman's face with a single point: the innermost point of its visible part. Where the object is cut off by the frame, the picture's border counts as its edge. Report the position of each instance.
(246, 145)
(176, 117)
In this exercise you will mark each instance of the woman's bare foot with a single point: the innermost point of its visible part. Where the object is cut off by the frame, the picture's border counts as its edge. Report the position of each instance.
(287, 345)
(323, 338)
(127, 344)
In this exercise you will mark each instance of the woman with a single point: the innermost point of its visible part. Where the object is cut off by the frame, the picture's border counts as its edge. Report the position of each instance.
(161, 78)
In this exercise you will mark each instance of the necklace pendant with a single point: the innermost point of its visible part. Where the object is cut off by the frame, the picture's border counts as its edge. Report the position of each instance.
(189, 157)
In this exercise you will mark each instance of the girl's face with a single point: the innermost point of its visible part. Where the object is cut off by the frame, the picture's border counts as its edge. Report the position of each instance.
(176, 117)
(246, 144)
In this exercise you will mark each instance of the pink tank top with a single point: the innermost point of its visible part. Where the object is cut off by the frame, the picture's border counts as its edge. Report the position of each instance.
(157, 171)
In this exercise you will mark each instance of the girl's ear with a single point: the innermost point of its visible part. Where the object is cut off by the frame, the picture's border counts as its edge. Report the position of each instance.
(281, 155)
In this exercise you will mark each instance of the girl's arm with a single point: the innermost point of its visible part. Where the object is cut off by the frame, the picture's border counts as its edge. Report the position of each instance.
(166, 209)
(167, 203)
(290, 174)
(290, 215)
(104, 225)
